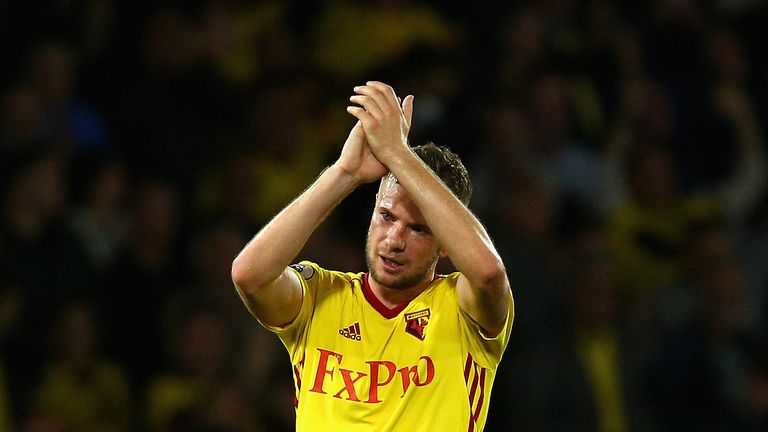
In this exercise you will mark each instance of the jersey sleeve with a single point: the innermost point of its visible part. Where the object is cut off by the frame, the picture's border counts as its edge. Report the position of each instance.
(312, 278)
(487, 351)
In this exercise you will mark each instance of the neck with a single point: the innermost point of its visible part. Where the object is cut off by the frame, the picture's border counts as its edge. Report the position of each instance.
(393, 297)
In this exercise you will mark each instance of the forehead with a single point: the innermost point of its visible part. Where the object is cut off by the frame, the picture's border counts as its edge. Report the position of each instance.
(396, 199)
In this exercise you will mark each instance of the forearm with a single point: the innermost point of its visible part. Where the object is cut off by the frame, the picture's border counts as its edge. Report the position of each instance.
(458, 231)
(277, 244)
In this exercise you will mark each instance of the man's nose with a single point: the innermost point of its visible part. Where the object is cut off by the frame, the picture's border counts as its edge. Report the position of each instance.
(395, 239)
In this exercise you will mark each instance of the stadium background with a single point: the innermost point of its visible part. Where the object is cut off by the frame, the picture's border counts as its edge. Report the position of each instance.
(617, 151)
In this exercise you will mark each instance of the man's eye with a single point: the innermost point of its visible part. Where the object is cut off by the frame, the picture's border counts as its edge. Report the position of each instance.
(386, 216)
(419, 229)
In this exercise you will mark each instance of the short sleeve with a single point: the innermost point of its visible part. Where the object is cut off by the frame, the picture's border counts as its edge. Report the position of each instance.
(309, 275)
(487, 350)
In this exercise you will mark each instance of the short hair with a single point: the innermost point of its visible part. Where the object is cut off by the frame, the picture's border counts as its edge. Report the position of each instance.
(448, 167)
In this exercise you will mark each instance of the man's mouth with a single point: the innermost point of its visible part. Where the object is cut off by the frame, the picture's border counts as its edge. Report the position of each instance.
(391, 264)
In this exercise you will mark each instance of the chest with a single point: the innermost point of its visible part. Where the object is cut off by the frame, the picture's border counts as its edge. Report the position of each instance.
(350, 325)
(355, 353)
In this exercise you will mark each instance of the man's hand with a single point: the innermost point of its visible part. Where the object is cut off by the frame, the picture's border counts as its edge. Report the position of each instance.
(386, 122)
(357, 160)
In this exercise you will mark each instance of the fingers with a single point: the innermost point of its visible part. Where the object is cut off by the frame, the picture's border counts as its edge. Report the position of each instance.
(361, 114)
(369, 103)
(358, 128)
(385, 89)
(377, 98)
(378, 101)
(408, 109)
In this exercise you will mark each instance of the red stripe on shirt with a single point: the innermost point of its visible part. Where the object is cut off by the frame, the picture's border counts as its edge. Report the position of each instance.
(471, 392)
(482, 396)
(297, 374)
(474, 386)
(298, 386)
(466, 368)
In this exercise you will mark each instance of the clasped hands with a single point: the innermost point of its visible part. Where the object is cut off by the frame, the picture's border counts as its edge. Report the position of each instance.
(386, 122)
(380, 134)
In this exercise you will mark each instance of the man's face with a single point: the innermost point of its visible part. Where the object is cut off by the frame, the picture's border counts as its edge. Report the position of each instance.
(401, 251)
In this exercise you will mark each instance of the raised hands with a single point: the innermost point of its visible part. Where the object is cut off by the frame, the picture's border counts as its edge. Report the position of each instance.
(385, 121)
(357, 160)
(382, 125)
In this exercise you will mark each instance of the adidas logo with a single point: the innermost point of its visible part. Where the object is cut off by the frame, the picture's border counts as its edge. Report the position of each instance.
(351, 332)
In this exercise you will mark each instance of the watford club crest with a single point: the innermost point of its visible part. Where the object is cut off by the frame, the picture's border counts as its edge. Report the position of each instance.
(415, 323)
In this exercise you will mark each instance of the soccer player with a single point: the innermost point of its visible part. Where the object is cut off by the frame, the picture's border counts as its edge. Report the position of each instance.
(399, 347)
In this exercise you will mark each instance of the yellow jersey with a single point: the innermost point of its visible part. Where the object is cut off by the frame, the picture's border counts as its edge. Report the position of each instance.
(360, 366)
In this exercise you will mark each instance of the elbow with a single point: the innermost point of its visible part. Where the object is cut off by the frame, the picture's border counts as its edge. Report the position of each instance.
(494, 274)
(243, 275)
(238, 272)
(498, 294)
(252, 277)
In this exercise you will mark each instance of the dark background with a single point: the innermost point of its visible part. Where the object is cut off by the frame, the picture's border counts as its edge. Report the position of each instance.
(617, 152)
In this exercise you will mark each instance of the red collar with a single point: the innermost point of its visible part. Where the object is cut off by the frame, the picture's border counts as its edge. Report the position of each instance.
(378, 305)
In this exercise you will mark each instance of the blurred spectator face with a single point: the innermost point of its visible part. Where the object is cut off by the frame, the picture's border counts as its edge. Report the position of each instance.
(525, 37)
(109, 187)
(218, 29)
(603, 20)
(757, 392)
(239, 180)
(526, 207)
(727, 56)
(438, 84)
(628, 49)
(278, 115)
(202, 344)
(280, 49)
(648, 106)
(157, 213)
(508, 130)
(229, 410)
(22, 115)
(171, 42)
(722, 291)
(214, 253)
(710, 246)
(36, 422)
(549, 101)
(39, 188)
(76, 334)
(678, 11)
(724, 286)
(11, 304)
(653, 179)
(593, 295)
(259, 355)
(52, 72)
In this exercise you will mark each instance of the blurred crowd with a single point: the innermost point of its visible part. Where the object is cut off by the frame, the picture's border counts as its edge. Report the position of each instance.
(619, 160)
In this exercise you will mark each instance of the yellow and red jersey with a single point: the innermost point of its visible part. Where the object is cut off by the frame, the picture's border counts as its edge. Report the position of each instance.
(360, 366)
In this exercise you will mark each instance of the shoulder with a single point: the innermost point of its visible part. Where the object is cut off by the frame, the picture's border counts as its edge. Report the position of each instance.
(307, 270)
(445, 282)
(449, 279)
(443, 289)
(313, 274)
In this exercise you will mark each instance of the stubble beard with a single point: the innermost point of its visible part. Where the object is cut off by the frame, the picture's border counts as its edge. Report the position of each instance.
(406, 280)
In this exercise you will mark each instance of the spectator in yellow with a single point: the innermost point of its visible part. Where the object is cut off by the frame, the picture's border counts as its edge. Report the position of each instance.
(80, 390)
